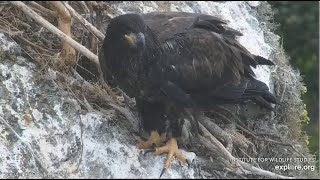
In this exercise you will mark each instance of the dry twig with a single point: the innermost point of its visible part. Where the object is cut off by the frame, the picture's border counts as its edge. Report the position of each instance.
(216, 131)
(44, 10)
(230, 162)
(64, 37)
(85, 7)
(64, 24)
(56, 31)
(85, 23)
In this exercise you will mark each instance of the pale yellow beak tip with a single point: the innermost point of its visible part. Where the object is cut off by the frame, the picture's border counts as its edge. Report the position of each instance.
(131, 38)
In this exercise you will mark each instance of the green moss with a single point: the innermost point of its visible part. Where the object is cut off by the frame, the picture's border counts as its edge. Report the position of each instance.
(304, 90)
(306, 139)
(37, 77)
(12, 57)
(304, 118)
(5, 91)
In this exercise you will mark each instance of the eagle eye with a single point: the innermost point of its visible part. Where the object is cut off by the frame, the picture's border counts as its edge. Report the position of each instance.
(135, 40)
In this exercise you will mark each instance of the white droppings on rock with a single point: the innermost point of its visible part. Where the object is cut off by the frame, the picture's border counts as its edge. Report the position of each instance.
(6, 45)
(37, 115)
(151, 6)
(23, 75)
(57, 109)
(3, 134)
(91, 120)
(32, 132)
(253, 3)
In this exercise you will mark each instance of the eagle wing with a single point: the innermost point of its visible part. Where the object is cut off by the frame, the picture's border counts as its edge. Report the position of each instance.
(168, 24)
(202, 57)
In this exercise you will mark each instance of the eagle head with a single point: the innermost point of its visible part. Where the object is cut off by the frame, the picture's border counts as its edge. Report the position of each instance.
(127, 32)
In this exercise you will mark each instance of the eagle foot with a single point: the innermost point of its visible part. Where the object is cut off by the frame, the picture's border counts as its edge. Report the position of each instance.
(154, 140)
(171, 148)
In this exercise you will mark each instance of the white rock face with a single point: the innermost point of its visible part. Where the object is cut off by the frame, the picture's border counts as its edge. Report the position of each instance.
(71, 143)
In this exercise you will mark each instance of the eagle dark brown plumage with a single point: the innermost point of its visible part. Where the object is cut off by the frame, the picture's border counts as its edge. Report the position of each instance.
(174, 60)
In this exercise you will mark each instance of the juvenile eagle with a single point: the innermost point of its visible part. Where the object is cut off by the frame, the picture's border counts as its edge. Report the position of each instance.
(170, 61)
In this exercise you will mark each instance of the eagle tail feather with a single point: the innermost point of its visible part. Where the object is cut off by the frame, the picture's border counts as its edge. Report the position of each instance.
(263, 103)
(263, 61)
(258, 92)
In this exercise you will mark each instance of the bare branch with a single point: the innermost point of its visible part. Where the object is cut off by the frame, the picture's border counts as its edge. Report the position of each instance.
(230, 162)
(64, 24)
(44, 10)
(61, 10)
(94, 4)
(11, 33)
(85, 23)
(261, 172)
(217, 132)
(217, 144)
(128, 115)
(56, 31)
(33, 44)
(85, 7)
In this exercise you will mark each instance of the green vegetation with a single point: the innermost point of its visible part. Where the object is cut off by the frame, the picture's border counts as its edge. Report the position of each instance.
(299, 27)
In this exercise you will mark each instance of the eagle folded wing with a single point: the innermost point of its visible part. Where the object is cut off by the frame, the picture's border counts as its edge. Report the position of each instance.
(202, 58)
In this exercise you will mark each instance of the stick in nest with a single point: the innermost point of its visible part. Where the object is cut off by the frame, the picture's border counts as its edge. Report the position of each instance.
(216, 131)
(231, 163)
(84, 6)
(63, 37)
(56, 31)
(248, 131)
(42, 9)
(85, 23)
(64, 24)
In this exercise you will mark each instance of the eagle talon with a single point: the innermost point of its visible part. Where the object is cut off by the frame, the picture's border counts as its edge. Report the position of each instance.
(153, 146)
(188, 163)
(162, 172)
(171, 148)
(149, 151)
(153, 141)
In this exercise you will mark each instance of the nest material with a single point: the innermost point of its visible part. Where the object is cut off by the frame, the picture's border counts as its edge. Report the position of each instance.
(229, 136)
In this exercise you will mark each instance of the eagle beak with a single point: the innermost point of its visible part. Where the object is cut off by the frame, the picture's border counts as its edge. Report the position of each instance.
(136, 41)
(131, 38)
